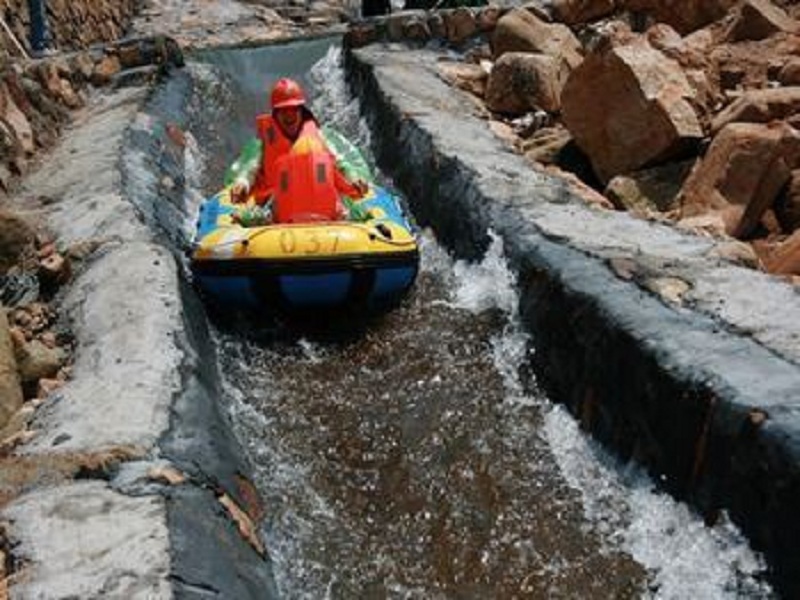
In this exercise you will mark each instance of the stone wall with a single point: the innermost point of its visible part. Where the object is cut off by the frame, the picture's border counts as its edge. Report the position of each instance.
(73, 24)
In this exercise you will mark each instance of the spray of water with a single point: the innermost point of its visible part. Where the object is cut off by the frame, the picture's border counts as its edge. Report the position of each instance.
(684, 558)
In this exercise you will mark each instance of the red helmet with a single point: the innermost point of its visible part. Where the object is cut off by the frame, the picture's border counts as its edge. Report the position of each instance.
(287, 92)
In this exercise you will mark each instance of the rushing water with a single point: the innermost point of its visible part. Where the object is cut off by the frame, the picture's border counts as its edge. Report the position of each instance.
(406, 459)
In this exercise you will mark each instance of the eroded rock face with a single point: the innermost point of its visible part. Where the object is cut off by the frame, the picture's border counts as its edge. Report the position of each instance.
(520, 82)
(628, 107)
(742, 173)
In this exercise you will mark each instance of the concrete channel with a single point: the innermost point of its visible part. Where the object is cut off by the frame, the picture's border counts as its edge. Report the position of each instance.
(663, 349)
(702, 387)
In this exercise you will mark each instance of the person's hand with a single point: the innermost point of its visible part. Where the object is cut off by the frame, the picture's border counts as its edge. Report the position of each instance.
(239, 191)
(362, 187)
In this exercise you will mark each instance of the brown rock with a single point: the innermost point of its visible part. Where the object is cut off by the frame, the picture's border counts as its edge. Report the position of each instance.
(520, 82)
(759, 106)
(460, 25)
(417, 30)
(629, 107)
(15, 119)
(487, 18)
(782, 258)
(683, 15)
(10, 388)
(104, 70)
(360, 34)
(36, 361)
(650, 190)
(55, 268)
(546, 144)
(789, 73)
(576, 12)
(520, 31)
(15, 236)
(787, 207)
(741, 174)
(759, 19)
(469, 77)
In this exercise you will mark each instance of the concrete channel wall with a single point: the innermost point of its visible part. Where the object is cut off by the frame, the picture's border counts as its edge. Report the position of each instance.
(134, 485)
(665, 351)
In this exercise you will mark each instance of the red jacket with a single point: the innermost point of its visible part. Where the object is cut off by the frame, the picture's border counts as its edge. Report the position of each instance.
(276, 145)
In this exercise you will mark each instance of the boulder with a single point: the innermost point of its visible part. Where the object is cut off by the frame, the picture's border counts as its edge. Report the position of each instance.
(684, 16)
(520, 82)
(15, 236)
(521, 31)
(759, 106)
(741, 174)
(466, 76)
(759, 19)
(10, 388)
(576, 12)
(629, 107)
(36, 360)
(460, 25)
(487, 18)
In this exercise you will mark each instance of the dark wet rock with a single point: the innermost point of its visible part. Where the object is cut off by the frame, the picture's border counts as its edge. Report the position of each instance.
(787, 206)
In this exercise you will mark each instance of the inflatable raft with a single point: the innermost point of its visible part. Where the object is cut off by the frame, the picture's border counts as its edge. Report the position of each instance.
(367, 259)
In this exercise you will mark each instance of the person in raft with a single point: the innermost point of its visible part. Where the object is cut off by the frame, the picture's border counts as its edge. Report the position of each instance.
(296, 177)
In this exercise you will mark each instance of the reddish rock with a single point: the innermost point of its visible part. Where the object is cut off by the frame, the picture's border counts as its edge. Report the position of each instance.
(520, 31)
(576, 12)
(629, 107)
(756, 62)
(759, 19)
(760, 106)
(741, 175)
(684, 15)
(520, 82)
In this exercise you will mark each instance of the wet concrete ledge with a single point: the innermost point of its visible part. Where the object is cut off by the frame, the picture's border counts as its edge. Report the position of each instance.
(701, 385)
(140, 423)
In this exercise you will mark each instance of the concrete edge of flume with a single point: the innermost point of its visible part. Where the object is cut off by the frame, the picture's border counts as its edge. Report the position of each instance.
(657, 385)
(177, 532)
